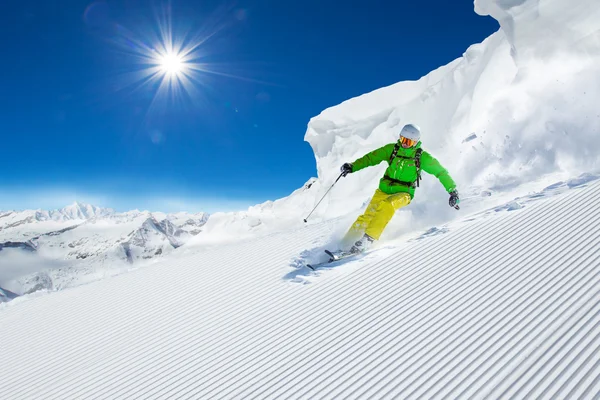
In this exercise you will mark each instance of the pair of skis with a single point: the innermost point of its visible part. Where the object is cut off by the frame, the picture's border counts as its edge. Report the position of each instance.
(333, 257)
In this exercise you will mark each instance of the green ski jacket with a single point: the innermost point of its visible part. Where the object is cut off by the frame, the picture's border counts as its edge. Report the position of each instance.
(401, 174)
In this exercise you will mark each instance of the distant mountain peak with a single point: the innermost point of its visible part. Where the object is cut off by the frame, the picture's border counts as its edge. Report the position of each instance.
(81, 210)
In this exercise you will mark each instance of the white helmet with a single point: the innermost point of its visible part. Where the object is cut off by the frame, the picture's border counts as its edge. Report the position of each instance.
(412, 132)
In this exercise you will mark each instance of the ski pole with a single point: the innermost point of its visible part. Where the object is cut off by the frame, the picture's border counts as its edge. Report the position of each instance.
(342, 174)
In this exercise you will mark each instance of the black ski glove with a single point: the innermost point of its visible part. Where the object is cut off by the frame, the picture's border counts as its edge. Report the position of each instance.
(346, 169)
(454, 199)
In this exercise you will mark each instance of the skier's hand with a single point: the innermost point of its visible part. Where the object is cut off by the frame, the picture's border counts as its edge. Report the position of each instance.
(454, 199)
(346, 169)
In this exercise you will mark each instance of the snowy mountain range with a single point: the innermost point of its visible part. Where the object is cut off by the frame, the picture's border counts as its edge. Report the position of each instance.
(64, 247)
(498, 300)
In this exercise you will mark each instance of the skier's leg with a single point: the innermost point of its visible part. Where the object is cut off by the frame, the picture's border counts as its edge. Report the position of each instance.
(362, 222)
(384, 212)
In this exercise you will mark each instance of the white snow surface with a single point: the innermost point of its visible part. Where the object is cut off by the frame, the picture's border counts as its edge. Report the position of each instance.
(503, 303)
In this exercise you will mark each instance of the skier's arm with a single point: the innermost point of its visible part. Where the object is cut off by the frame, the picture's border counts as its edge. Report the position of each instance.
(432, 166)
(373, 158)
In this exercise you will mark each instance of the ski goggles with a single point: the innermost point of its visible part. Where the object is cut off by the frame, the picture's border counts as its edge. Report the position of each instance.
(406, 142)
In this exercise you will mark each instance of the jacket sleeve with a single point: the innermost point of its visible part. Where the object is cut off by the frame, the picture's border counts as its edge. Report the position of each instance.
(432, 166)
(373, 158)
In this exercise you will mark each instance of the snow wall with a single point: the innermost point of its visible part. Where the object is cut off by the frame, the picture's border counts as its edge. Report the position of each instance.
(519, 107)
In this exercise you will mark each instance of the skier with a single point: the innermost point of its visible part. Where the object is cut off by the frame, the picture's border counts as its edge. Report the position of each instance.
(396, 189)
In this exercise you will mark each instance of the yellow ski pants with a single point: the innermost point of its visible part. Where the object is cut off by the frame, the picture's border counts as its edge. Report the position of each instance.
(379, 212)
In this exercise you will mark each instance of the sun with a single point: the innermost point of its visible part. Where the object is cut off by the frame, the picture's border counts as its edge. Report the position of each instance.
(170, 61)
(172, 64)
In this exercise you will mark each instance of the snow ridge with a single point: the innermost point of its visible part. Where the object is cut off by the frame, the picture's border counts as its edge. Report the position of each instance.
(518, 108)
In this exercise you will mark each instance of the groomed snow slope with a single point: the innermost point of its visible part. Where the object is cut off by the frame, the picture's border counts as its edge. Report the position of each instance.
(503, 304)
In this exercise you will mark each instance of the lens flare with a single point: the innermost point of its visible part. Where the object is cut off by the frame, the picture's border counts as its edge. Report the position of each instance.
(167, 63)
(174, 65)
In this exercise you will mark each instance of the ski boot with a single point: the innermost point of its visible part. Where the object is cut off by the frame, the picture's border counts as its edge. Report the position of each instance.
(362, 244)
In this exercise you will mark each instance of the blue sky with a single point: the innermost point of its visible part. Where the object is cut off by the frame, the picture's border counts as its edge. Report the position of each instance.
(78, 122)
